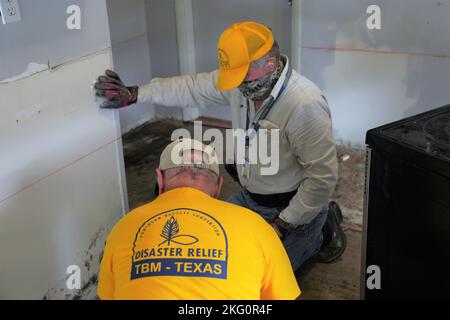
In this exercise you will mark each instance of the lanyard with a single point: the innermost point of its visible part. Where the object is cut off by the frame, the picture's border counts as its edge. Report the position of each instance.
(267, 108)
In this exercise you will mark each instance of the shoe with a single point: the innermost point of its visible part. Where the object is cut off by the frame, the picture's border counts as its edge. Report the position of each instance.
(334, 238)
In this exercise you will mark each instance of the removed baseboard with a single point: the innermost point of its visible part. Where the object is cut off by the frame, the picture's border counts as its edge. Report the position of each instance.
(214, 122)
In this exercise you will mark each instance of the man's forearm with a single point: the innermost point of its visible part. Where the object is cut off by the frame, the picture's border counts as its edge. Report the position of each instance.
(310, 134)
(299, 212)
(314, 192)
(196, 91)
(183, 91)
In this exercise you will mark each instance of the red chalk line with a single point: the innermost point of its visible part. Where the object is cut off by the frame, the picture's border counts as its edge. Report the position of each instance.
(59, 170)
(351, 48)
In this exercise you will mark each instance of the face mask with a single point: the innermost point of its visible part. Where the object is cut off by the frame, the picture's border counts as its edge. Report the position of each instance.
(260, 89)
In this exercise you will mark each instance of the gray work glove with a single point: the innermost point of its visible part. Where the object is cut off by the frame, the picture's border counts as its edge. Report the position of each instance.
(111, 87)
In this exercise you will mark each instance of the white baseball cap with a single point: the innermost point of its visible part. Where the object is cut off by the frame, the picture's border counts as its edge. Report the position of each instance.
(186, 152)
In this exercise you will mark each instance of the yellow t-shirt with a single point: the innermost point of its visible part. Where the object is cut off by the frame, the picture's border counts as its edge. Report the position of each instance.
(188, 245)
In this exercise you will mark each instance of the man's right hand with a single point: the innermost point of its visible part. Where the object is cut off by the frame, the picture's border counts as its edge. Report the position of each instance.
(111, 87)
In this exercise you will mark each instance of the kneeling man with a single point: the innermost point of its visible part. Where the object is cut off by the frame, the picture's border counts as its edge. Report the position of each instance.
(186, 244)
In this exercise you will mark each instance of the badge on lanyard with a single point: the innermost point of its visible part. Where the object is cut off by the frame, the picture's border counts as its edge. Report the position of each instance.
(246, 169)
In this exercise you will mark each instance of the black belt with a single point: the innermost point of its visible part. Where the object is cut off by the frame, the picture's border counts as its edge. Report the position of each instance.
(274, 200)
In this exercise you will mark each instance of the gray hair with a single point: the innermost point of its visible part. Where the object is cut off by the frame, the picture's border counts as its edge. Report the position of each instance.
(273, 52)
(192, 172)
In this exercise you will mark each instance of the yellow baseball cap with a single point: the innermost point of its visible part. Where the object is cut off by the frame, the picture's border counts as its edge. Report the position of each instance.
(239, 46)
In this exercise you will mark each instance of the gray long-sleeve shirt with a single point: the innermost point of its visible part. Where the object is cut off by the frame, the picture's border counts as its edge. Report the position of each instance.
(307, 152)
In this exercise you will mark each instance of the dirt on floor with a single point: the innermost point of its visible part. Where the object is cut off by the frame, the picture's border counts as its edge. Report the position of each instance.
(143, 146)
(349, 192)
(338, 280)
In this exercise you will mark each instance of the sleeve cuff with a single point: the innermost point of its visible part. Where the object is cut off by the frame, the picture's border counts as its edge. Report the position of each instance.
(296, 217)
(143, 94)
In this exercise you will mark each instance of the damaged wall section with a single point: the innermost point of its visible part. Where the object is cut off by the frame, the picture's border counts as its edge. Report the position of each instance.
(61, 170)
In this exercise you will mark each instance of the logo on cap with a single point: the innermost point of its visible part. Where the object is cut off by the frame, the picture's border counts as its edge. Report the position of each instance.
(224, 59)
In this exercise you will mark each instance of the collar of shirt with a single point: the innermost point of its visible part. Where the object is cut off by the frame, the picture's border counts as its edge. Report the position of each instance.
(275, 91)
(182, 193)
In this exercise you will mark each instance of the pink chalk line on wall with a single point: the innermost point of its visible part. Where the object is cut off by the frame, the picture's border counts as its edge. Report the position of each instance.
(350, 47)
(70, 164)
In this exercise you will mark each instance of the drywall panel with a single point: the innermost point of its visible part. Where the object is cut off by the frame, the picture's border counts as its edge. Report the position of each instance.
(372, 77)
(61, 180)
(43, 37)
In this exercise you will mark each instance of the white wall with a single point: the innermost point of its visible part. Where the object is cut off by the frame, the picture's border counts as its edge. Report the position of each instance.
(51, 42)
(163, 46)
(61, 160)
(393, 75)
(144, 45)
(131, 56)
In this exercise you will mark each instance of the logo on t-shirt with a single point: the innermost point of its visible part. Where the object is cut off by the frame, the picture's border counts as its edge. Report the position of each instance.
(170, 233)
(180, 242)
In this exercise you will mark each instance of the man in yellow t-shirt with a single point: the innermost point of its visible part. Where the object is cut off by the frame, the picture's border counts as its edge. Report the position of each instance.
(186, 244)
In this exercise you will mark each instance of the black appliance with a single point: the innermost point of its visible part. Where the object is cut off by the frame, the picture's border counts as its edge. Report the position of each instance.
(406, 223)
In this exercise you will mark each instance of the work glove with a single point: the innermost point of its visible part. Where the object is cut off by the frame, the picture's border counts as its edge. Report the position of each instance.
(111, 87)
(285, 228)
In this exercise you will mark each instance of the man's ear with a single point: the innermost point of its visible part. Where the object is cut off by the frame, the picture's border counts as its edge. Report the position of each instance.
(218, 187)
(271, 64)
(160, 180)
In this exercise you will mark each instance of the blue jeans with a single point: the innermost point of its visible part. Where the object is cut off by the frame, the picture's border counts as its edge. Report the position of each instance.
(298, 247)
